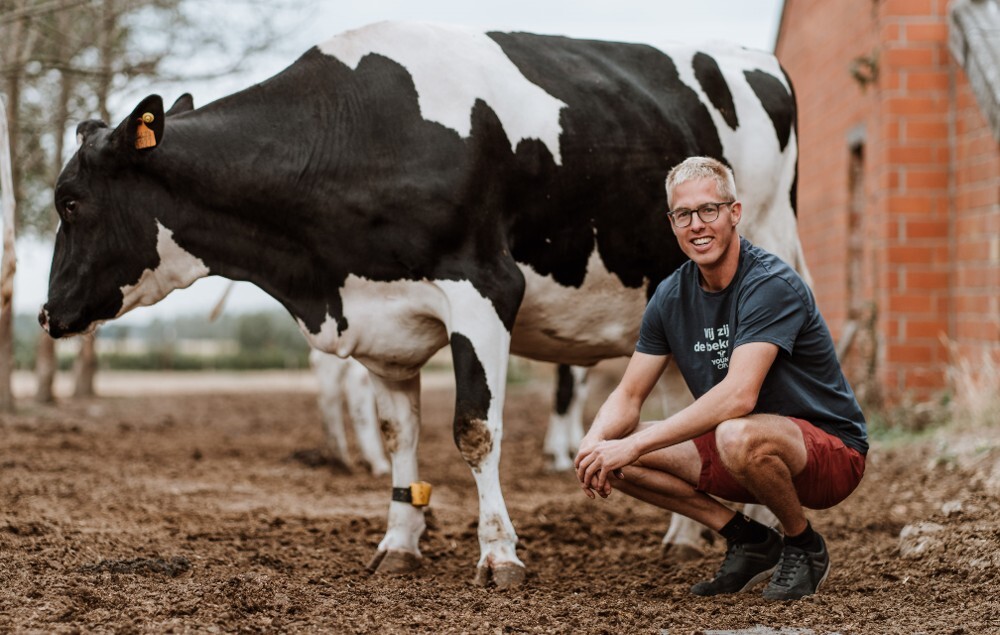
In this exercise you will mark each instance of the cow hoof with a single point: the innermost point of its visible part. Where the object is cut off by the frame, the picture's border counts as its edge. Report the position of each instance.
(394, 562)
(556, 467)
(504, 576)
(681, 553)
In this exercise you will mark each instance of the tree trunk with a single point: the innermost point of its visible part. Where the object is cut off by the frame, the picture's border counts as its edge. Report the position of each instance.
(6, 360)
(45, 369)
(85, 367)
(105, 52)
(7, 266)
(45, 354)
(18, 40)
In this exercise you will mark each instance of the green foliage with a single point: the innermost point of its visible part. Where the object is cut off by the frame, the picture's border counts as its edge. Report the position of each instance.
(26, 334)
(167, 360)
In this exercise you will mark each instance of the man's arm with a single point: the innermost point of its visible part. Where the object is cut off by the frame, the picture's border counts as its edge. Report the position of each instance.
(734, 396)
(619, 415)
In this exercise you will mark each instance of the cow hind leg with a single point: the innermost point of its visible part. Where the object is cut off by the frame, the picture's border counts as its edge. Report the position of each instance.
(398, 405)
(329, 376)
(361, 409)
(480, 346)
(685, 539)
(565, 431)
(336, 439)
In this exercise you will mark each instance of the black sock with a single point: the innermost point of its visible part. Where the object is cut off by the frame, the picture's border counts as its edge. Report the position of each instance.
(807, 540)
(743, 529)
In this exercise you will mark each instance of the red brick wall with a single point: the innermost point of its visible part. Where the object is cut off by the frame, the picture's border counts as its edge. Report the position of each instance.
(930, 223)
(914, 91)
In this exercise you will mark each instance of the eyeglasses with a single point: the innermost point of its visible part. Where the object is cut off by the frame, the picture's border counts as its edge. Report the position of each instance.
(707, 213)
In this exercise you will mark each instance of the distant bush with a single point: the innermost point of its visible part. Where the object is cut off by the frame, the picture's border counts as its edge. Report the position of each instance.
(263, 340)
(253, 360)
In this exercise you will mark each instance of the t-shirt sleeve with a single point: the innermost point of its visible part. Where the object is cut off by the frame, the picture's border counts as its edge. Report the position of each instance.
(652, 335)
(770, 312)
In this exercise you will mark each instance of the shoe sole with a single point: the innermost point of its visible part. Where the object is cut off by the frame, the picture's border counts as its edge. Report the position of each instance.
(757, 579)
(825, 574)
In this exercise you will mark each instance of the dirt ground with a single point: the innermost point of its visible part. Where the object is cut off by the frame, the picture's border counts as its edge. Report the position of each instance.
(208, 512)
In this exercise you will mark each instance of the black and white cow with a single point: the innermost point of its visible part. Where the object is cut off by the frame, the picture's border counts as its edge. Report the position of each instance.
(405, 186)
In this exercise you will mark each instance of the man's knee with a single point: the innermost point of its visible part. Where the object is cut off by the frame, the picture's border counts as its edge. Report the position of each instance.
(761, 441)
(744, 443)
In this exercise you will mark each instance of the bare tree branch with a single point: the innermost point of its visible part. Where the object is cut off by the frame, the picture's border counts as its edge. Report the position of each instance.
(41, 9)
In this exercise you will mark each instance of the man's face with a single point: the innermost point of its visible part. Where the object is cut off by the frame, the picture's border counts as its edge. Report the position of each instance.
(705, 243)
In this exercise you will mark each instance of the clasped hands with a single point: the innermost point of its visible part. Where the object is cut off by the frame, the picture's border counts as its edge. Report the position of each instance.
(598, 461)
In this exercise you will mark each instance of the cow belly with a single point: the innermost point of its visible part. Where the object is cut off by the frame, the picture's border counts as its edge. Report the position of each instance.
(577, 325)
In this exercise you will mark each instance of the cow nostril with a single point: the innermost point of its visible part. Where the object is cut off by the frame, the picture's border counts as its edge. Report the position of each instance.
(43, 319)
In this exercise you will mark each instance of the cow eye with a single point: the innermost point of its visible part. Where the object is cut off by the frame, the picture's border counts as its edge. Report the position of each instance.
(70, 210)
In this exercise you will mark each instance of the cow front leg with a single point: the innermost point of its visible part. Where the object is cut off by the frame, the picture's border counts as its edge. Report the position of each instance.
(480, 347)
(398, 406)
(565, 431)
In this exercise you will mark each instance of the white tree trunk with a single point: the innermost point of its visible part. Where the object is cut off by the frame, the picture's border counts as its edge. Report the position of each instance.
(8, 265)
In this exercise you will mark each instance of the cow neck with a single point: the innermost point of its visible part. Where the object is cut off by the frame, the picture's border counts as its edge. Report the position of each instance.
(236, 215)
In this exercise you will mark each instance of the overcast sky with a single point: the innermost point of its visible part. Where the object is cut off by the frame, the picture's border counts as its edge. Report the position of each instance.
(752, 23)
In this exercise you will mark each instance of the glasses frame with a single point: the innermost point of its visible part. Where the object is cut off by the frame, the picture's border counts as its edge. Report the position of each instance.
(698, 210)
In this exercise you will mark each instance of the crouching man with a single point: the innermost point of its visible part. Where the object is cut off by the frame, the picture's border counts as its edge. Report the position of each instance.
(774, 421)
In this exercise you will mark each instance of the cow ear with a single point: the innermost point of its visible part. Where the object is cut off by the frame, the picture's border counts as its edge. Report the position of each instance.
(143, 129)
(184, 103)
(87, 128)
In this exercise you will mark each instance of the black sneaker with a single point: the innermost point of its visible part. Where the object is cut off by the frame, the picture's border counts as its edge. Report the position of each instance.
(800, 573)
(744, 566)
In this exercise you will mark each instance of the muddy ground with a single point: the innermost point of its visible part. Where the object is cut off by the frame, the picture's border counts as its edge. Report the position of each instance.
(209, 513)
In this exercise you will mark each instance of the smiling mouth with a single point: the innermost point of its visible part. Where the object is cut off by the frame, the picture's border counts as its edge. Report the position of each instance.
(698, 242)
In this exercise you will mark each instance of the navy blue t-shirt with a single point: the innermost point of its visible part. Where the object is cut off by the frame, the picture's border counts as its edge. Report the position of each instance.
(767, 301)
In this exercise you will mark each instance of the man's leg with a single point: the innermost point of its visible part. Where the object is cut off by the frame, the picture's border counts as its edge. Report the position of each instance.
(667, 478)
(764, 453)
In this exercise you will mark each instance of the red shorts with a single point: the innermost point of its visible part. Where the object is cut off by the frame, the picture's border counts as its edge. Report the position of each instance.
(832, 470)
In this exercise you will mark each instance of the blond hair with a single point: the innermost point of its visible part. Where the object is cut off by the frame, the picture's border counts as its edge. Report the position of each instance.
(703, 168)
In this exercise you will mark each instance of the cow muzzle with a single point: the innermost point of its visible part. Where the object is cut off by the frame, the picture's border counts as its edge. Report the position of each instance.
(53, 327)
(43, 319)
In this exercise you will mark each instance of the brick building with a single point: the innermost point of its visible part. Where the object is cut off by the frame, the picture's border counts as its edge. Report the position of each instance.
(899, 182)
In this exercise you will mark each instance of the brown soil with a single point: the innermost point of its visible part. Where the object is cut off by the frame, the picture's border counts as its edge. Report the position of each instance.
(184, 513)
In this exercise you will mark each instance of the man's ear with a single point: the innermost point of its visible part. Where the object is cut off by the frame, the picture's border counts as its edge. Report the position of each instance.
(184, 103)
(736, 213)
(142, 130)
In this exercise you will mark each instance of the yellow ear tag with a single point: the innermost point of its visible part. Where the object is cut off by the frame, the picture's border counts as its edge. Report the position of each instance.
(144, 137)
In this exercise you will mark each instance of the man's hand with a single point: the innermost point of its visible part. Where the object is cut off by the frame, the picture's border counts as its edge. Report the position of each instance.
(587, 445)
(596, 462)
(617, 419)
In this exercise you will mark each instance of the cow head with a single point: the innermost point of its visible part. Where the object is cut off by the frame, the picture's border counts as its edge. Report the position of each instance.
(112, 252)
